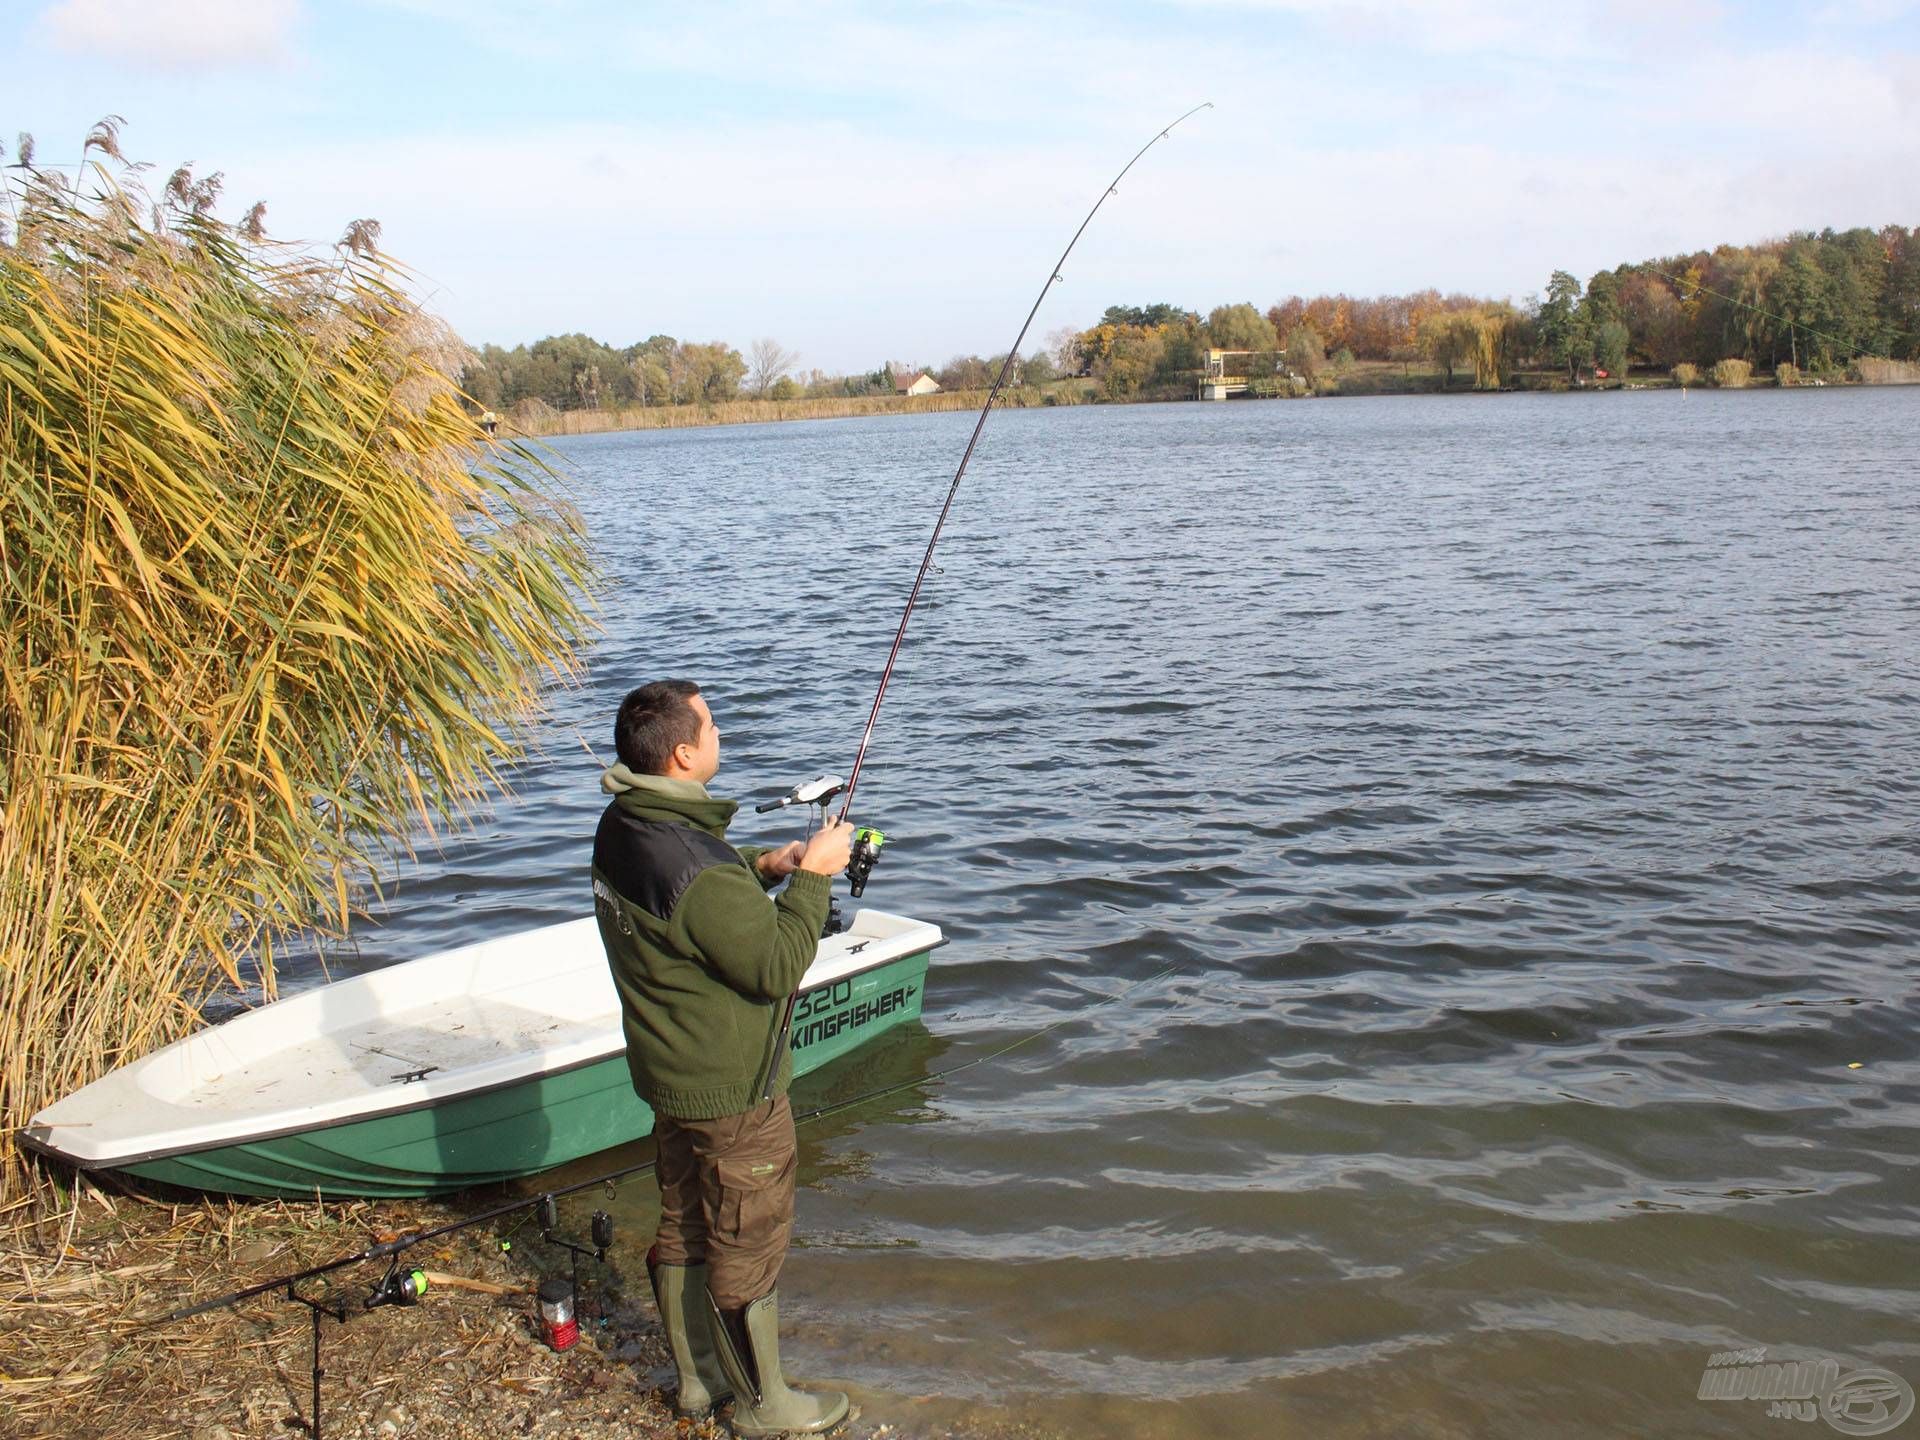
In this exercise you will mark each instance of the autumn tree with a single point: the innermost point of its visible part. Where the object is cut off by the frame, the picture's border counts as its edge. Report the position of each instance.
(1240, 327)
(1496, 332)
(709, 373)
(1132, 360)
(768, 361)
(1655, 325)
(1331, 316)
(1286, 314)
(966, 372)
(1380, 326)
(1446, 340)
(1306, 352)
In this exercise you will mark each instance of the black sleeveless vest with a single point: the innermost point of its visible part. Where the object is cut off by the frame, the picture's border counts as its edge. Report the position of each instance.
(652, 862)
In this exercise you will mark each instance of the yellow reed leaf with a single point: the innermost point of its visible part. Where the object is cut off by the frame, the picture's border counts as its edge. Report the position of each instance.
(282, 787)
(90, 782)
(92, 907)
(123, 527)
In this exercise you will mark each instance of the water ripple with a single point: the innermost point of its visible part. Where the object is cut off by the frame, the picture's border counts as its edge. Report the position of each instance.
(1522, 789)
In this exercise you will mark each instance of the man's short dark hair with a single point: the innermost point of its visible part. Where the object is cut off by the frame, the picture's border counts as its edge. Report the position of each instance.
(652, 720)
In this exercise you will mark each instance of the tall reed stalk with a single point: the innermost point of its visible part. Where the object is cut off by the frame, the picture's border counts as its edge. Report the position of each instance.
(270, 602)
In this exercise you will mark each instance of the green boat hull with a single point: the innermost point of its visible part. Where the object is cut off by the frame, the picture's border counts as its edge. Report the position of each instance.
(489, 1136)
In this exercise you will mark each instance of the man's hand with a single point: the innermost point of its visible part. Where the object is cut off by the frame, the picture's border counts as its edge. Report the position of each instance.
(776, 865)
(829, 850)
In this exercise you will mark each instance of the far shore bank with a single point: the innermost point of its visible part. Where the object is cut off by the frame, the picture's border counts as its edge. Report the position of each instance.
(1365, 380)
(538, 425)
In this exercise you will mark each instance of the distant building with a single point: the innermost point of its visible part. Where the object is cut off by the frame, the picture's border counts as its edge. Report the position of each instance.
(919, 382)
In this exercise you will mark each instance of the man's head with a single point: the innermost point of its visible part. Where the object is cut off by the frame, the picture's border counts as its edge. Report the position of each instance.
(666, 729)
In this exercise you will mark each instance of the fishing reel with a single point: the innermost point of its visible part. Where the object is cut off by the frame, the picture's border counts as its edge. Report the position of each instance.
(866, 854)
(867, 841)
(398, 1287)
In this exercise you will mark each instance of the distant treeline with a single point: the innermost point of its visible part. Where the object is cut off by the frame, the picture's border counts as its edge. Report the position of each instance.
(1814, 301)
(1811, 303)
(577, 372)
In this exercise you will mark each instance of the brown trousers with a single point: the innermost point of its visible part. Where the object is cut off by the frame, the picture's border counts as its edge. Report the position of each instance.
(726, 1198)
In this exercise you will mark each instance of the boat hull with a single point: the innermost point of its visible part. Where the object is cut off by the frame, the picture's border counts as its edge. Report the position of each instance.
(518, 1129)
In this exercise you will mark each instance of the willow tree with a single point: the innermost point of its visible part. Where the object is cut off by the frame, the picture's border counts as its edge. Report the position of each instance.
(271, 605)
(1495, 332)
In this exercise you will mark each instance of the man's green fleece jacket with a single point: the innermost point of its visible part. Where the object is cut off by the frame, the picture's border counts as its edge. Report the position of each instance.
(704, 986)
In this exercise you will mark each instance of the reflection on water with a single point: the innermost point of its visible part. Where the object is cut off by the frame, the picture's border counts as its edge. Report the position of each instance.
(1523, 789)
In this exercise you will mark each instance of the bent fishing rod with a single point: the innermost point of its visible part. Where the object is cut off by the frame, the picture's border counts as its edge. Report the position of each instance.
(1054, 276)
(388, 1249)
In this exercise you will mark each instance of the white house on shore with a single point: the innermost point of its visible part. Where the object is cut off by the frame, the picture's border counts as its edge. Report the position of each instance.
(917, 382)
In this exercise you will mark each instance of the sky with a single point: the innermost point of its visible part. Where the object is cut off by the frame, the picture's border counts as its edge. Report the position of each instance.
(866, 183)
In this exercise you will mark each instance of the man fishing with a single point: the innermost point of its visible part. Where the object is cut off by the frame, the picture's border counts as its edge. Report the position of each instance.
(705, 964)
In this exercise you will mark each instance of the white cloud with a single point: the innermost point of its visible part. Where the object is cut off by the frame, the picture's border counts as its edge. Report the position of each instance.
(177, 34)
(860, 185)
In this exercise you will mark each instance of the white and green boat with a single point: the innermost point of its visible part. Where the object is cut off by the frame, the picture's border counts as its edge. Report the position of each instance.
(480, 1064)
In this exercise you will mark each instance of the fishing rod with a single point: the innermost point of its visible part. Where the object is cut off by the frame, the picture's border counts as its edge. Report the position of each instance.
(1054, 276)
(404, 1288)
(542, 1202)
(815, 793)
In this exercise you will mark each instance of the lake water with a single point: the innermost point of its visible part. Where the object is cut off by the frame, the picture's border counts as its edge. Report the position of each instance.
(1522, 791)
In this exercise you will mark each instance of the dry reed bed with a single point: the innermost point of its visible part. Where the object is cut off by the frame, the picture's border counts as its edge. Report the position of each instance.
(271, 605)
(1886, 372)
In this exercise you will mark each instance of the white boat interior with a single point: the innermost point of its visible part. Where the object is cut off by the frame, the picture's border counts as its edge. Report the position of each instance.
(479, 1017)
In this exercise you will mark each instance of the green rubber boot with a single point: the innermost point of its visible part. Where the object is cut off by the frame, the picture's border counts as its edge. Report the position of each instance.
(749, 1344)
(680, 1291)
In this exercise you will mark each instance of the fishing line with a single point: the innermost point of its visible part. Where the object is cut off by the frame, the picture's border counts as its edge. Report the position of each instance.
(1054, 276)
(388, 1249)
(1683, 285)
